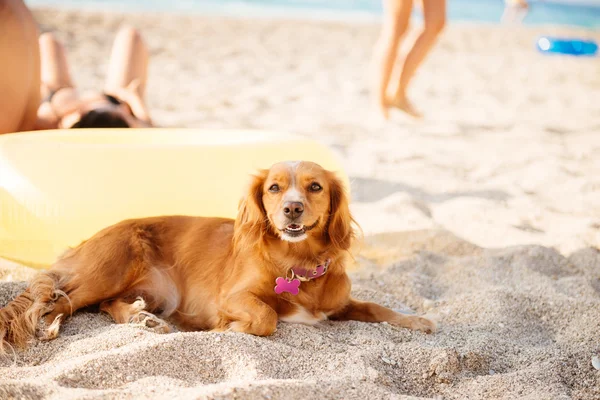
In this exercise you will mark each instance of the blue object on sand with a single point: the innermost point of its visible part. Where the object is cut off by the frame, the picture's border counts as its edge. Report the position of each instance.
(575, 47)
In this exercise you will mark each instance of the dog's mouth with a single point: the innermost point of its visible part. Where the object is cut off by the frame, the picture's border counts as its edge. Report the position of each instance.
(297, 230)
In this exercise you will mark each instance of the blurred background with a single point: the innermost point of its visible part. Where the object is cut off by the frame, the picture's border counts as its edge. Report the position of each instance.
(507, 151)
(584, 13)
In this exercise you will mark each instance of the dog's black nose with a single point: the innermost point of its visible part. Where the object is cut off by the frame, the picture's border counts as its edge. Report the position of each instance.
(293, 209)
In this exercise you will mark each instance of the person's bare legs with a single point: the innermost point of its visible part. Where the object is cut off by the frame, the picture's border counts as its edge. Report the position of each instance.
(434, 13)
(55, 75)
(515, 11)
(19, 68)
(128, 62)
(395, 23)
(128, 71)
(55, 69)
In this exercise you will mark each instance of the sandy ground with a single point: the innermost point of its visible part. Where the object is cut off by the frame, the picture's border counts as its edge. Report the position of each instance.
(485, 216)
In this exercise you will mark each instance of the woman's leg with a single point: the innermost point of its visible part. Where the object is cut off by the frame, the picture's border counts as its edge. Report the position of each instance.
(128, 62)
(19, 68)
(128, 71)
(434, 13)
(515, 11)
(55, 75)
(55, 70)
(395, 24)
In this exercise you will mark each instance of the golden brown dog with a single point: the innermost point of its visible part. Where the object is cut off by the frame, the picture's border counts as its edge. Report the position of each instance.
(282, 258)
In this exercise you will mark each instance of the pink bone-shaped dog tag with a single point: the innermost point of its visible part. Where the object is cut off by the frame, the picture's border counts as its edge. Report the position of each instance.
(284, 285)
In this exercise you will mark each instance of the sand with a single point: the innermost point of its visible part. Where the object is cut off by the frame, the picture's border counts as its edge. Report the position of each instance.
(485, 216)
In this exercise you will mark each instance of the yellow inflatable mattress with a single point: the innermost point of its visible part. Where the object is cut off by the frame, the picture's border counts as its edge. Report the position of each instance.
(59, 187)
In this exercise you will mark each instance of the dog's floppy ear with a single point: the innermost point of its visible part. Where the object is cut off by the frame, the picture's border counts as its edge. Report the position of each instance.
(251, 222)
(340, 231)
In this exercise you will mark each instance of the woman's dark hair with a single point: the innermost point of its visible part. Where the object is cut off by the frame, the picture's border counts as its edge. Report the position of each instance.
(101, 119)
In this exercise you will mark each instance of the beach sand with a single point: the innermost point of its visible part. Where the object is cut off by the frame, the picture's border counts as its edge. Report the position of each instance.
(484, 216)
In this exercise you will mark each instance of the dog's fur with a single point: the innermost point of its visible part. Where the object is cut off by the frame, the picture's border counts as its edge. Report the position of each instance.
(211, 273)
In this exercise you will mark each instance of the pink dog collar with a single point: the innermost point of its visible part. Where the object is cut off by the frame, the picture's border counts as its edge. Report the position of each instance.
(292, 285)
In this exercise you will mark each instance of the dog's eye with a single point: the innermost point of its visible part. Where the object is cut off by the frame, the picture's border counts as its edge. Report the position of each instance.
(274, 188)
(315, 187)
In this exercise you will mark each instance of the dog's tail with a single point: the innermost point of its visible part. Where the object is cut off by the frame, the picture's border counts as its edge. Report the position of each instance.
(20, 318)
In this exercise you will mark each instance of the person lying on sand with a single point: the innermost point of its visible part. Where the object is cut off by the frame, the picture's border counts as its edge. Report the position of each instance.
(19, 69)
(396, 19)
(120, 105)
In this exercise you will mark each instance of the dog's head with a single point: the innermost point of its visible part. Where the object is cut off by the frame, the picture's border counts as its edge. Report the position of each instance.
(296, 201)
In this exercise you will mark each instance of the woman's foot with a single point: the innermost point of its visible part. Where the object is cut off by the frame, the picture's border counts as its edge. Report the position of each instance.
(403, 104)
(383, 107)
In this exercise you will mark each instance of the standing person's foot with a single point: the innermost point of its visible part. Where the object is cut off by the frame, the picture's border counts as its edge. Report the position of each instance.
(383, 108)
(403, 104)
